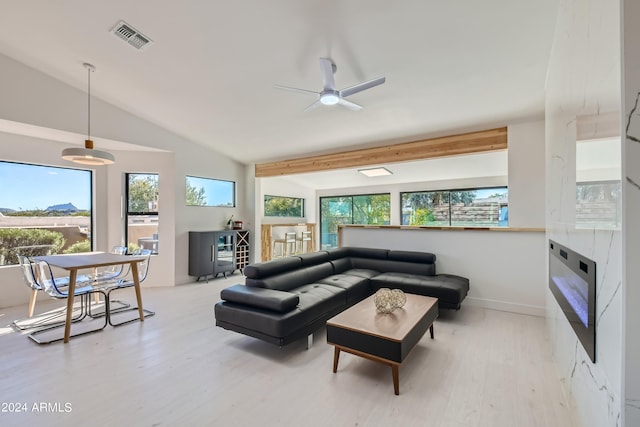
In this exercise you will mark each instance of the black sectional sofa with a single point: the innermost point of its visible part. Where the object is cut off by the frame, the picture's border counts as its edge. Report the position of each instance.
(286, 299)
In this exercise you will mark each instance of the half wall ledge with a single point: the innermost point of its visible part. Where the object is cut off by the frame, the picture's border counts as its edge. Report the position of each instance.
(453, 228)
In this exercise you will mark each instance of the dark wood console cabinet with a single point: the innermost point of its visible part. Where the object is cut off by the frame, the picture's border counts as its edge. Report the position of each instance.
(217, 252)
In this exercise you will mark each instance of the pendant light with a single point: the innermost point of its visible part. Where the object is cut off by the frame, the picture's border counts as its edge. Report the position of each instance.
(87, 155)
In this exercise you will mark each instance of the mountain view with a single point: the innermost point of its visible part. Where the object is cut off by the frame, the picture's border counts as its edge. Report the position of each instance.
(64, 207)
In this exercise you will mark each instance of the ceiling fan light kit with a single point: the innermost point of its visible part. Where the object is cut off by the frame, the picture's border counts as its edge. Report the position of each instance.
(329, 98)
(329, 94)
(87, 155)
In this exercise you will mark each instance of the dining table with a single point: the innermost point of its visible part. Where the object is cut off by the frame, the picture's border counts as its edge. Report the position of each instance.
(91, 260)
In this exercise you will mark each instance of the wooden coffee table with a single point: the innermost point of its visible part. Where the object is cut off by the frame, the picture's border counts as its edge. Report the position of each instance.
(384, 338)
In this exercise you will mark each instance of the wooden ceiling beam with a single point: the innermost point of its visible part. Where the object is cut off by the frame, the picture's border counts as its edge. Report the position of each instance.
(453, 145)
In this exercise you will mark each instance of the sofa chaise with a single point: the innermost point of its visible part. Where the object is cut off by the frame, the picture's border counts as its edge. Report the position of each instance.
(289, 298)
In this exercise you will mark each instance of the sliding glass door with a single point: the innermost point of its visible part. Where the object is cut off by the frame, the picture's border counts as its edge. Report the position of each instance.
(362, 209)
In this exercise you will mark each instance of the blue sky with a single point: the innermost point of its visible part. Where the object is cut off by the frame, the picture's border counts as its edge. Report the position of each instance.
(217, 193)
(26, 187)
(484, 193)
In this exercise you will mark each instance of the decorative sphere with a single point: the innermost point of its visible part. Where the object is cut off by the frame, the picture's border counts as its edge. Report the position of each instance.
(387, 300)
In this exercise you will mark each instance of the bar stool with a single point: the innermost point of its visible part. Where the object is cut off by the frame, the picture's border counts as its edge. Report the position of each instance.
(304, 239)
(288, 245)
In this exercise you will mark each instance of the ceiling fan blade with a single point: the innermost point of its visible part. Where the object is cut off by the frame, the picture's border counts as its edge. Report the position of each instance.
(312, 106)
(350, 105)
(326, 66)
(362, 86)
(295, 89)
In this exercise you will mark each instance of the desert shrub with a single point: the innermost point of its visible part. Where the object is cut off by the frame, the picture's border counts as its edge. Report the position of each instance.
(28, 242)
(77, 247)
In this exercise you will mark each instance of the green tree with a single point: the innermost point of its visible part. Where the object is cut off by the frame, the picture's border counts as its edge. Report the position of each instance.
(422, 217)
(282, 206)
(372, 209)
(143, 193)
(466, 197)
(431, 199)
(196, 196)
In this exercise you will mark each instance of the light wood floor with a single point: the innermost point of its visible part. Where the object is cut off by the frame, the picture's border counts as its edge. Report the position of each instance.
(484, 368)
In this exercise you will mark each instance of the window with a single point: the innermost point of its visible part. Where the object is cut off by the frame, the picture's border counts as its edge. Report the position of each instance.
(283, 206)
(142, 211)
(475, 207)
(44, 210)
(598, 204)
(210, 192)
(362, 209)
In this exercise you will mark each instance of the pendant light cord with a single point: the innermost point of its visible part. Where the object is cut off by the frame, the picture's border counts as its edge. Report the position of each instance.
(89, 105)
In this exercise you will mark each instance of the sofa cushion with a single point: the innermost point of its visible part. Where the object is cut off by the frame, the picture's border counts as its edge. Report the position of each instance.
(269, 268)
(370, 253)
(388, 266)
(313, 258)
(449, 289)
(362, 272)
(292, 279)
(411, 256)
(338, 253)
(316, 301)
(357, 287)
(340, 265)
(269, 299)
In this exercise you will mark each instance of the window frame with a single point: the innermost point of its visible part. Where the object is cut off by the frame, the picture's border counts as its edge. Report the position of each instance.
(300, 199)
(91, 209)
(128, 214)
(234, 191)
(450, 210)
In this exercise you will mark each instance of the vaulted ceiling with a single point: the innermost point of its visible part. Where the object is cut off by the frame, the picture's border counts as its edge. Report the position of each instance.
(209, 73)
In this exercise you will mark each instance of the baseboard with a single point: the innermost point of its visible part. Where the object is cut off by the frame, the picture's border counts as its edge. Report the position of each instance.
(531, 310)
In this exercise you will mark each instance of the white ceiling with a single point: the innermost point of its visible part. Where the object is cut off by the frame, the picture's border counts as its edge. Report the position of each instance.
(451, 66)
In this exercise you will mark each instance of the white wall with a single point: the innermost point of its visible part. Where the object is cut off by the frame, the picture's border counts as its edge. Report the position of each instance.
(526, 174)
(505, 268)
(583, 80)
(34, 98)
(286, 187)
(525, 179)
(630, 218)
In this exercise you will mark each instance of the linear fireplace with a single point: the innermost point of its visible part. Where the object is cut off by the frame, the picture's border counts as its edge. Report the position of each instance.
(572, 280)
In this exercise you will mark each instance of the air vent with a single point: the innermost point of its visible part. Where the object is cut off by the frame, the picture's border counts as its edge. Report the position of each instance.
(132, 36)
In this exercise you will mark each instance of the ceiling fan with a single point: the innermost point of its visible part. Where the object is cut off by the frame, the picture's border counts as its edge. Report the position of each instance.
(329, 94)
